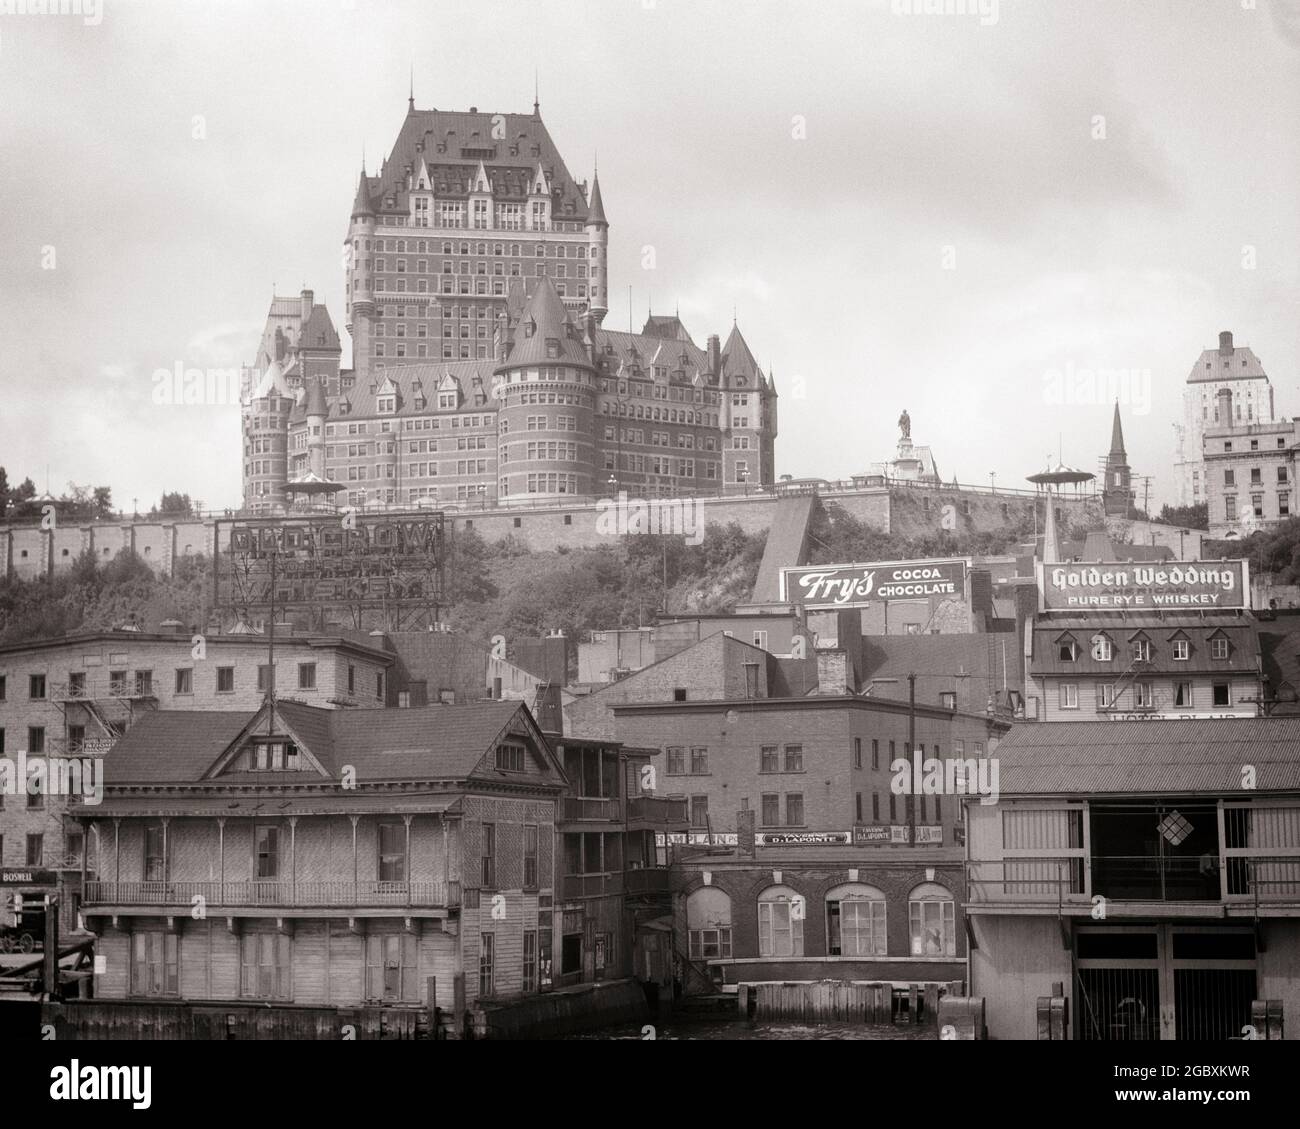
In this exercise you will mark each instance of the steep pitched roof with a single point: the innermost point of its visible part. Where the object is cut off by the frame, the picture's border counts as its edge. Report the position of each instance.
(544, 321)
(737, 360)
(596, 206)
(433, 742)
(361, 205)
(1117, 438)
(315, 403)
(319, 332)
(511, 147)
(1241, 364)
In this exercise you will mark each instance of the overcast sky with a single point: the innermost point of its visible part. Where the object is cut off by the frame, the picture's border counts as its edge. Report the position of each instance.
(931, 212)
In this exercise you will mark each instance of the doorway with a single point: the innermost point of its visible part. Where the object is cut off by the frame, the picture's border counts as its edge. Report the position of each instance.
(1148, 982)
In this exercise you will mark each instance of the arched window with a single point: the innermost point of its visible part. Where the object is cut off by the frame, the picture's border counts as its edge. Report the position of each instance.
(932, 919)
(708, 923)
(780, 922)
(855, 921)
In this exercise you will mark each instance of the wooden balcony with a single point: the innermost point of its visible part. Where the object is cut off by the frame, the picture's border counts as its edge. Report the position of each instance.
(272, 894)
(646, 813)
(592, 809)
(575, 886)
(647, 880)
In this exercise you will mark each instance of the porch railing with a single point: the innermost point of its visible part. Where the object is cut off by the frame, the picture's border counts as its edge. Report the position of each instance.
(658, 811)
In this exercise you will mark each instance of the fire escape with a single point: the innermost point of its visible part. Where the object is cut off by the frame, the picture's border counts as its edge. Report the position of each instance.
(109, 705)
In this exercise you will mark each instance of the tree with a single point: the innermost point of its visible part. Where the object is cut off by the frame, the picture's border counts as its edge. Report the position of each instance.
(175, 504)
(102, 501)
(1191, 517)
(4, 492)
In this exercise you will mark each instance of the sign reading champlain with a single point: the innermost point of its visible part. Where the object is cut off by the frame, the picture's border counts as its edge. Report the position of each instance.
(364, 561)
(860, 585)
(1123, 587)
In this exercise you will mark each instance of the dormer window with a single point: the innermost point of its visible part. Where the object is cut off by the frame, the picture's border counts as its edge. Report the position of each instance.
(552, 348)
(1219, 647)
(1103, 650)
(274, 754)
(1182, 650)
(1067, 650)
(388, 403)
(447, 400)
(510, 757)
(1142, 650)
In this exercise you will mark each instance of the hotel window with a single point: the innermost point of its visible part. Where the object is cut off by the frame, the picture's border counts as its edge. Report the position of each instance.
(486, 963)
(699, 760)
(780, 922)
(699, 811)
(36, 738)
(306, 676)
(1105, 696)
(855, 921)
(708, 924)
(875, 807)
(1257, 504)
(185, 680)
(1069, 696)
(857, 752)
(510, 757)
(771, 809)
(1218, 648)
(794, 758)
(794, 809)
(391, 967)
(1229, 478)
(1141, 650)
(768, 759)
(264, 966)
(35, 850)
(1143, 695)
(155, 963)
(931, 917)
(1283, 504)
(1183, 695)
(1230, 507)
(225, 680)
(1066, 651)
(1281, 474)
(487, 857)
(948, 699)
(530, 856)
(266, 851)
(144, 683)
(36, 686)
(676, 761)
(1222, 694)
(392, 851)
(155, 853)
(530, 961)
(1182, 650)
(1103, 650)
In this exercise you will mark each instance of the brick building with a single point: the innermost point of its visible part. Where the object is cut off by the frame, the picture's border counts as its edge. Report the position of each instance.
(477, 284)
(1249, 472)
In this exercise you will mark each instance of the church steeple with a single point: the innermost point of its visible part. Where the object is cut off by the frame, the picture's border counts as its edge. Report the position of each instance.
(1117, 438)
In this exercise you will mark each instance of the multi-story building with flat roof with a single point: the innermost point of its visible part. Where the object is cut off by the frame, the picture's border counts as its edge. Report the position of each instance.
(1249, 472)
(1230, 367)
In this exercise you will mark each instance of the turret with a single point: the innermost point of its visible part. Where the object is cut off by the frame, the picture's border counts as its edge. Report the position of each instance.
(360, 305)
(597, 253)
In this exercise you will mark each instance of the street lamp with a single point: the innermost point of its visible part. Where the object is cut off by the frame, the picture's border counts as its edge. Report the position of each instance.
(993, 486)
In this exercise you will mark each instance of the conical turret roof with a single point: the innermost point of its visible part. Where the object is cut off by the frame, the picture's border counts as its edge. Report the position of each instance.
(596, 206)
(544, 321)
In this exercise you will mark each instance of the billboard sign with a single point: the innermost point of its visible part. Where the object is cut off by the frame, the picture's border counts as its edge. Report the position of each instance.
(802, 839)
(821, 587)
(878, 834)
(361, 561)
(1174, 585)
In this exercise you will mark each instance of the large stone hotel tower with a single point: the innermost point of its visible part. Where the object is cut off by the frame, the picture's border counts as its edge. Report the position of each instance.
(476, 291)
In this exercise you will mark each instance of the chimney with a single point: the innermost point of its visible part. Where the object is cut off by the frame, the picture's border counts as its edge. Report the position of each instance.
(833, 672)
(308, 301)
(745, 832)
(715, 354)
(1225, 343)
(1224, 408)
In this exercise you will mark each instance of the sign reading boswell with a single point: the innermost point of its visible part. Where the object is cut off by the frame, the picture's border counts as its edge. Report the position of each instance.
(1122, 587)
(860, 585)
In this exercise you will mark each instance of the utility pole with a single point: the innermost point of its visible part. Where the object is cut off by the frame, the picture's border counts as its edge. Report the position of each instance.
(270, 657)
(915, 764)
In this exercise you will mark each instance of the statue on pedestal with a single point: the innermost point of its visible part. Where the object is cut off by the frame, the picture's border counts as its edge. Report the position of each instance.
(905, 425)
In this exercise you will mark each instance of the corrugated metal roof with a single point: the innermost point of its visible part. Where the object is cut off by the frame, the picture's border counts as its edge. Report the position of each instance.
(1210, 755)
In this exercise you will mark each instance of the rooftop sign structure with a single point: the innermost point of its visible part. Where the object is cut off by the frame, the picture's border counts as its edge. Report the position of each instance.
(1165, 586)
(861, 585)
